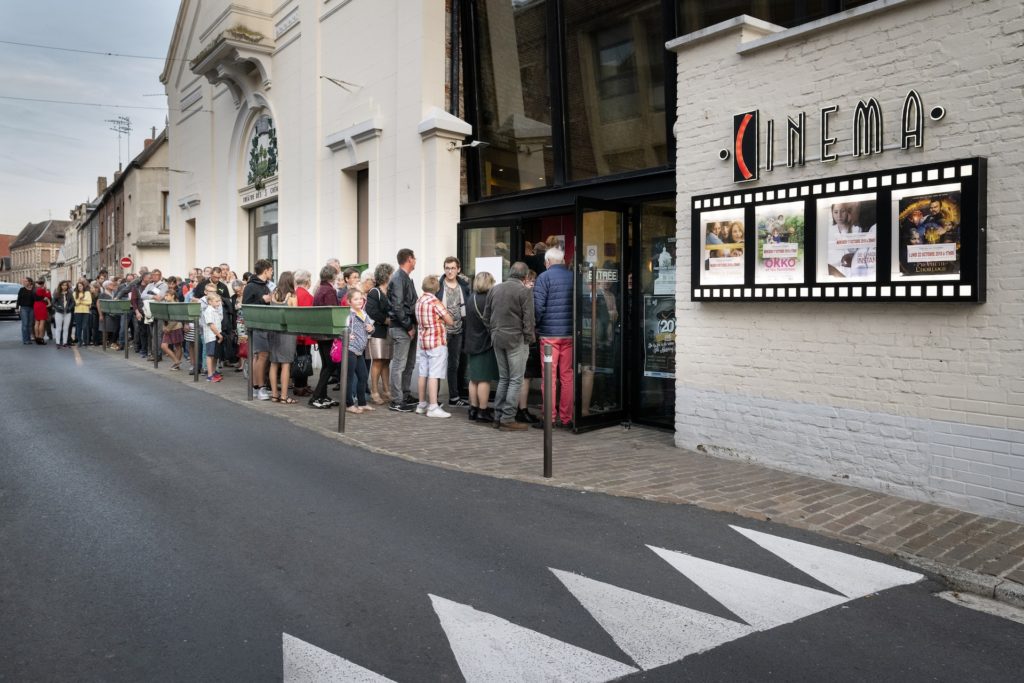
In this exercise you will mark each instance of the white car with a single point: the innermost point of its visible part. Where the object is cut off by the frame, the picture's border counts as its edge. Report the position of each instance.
(8, 298)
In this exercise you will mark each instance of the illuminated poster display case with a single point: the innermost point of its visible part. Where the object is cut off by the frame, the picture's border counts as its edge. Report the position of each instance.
(914, 233)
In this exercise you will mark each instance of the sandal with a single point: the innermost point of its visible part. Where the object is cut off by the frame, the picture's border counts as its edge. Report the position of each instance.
(275, 399)
(289, 400)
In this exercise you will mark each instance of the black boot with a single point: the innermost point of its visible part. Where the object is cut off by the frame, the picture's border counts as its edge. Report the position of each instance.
(523, 415)
(472, 413)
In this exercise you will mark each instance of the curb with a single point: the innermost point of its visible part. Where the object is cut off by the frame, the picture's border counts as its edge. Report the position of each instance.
(967, 581)
(956, 578)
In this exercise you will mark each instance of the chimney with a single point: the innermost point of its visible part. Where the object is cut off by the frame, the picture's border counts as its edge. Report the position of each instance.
(117, 174)
(146, 143)
(101, 185)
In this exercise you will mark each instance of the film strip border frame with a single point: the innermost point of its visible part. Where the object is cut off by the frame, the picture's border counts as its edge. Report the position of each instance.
(969, 287)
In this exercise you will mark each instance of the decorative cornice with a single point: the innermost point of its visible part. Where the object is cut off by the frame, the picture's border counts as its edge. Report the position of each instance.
(349, 137)
(439, 123)
(227, 60)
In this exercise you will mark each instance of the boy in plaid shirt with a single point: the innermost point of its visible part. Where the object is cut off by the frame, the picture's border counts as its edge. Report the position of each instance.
(431, 346)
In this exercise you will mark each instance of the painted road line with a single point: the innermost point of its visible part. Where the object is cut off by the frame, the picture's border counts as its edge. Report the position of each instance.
(761, 601)
(305, 663)
(489, 648)
(852, 576)
(653, 632)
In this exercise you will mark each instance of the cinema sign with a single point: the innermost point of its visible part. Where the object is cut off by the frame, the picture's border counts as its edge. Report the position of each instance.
(866, 139)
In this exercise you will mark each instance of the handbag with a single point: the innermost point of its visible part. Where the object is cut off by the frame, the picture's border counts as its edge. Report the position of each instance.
(336, 351)
(243, 348)
(303, 366)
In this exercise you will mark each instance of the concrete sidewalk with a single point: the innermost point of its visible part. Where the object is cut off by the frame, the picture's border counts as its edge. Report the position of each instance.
(972, 553)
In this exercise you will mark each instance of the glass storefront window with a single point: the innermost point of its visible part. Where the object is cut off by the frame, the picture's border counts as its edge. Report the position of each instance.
(657, 282)
(615, 86)
(263, 224)
(514, 96)
(485, 247)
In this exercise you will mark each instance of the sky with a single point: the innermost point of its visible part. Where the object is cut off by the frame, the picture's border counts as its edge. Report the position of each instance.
(51, 154)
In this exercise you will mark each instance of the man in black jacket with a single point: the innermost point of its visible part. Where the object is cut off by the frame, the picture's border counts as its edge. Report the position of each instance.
(402, 331)
(257, 293)
(26, 300)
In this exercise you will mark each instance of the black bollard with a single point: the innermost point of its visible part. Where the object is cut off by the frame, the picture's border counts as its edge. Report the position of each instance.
(344, 382)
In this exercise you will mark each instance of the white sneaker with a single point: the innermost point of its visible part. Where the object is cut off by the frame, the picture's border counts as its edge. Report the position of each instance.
(438, 411)
(421, 408)
(263, 394)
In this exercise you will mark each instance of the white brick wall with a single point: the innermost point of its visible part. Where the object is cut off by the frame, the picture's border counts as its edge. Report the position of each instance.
(923, 400)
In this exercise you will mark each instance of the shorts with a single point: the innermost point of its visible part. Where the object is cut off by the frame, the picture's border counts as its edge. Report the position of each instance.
(210, 348)
(432, 363)
(259, 341)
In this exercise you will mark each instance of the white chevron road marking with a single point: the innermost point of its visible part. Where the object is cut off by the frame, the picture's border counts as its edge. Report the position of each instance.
(489, 648)
(651, 631)
(305, 663)
(852, 576)
(761, 601)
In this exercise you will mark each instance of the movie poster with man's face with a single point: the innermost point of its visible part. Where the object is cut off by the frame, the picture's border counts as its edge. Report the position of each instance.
(780, 243)
(926, 233)
(722, 235)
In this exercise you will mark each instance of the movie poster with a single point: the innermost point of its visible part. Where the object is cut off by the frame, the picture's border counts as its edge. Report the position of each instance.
(926, 233)
(663, 265)
(660, 336)
(780, 243)
(847, 239)
(722, 247)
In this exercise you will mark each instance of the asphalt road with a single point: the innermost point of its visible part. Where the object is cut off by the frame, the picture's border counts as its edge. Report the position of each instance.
(150, 532)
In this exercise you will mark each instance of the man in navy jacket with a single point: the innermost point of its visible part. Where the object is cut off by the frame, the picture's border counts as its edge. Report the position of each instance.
(552, 304)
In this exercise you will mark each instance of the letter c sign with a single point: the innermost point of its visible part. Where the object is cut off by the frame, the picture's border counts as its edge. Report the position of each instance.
(745, 146)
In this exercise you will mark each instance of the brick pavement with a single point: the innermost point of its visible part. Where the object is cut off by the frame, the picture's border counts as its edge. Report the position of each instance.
(975, 553)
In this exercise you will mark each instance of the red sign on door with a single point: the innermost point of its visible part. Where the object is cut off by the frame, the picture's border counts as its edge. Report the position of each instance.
(126, 262)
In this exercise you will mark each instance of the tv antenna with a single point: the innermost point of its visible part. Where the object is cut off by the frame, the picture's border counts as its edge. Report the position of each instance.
(122, 125)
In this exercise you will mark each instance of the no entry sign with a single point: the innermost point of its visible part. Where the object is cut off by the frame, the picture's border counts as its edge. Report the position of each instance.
(126, 262)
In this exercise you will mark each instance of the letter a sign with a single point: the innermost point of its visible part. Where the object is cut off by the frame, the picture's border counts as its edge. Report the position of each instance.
(745, 146)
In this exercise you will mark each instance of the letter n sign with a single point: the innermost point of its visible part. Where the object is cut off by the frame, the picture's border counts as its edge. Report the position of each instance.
(745, 145)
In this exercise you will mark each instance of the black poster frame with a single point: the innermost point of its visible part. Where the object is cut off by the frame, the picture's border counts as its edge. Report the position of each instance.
(968, 286)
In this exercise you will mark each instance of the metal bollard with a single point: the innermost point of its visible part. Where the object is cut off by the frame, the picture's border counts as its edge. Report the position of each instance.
(157, 334)
(124, 317)
(195, 354)
(344, 382)
(548, 401)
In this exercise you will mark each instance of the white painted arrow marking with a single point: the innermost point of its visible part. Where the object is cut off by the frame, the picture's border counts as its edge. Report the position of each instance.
(761, 601)
(651, 631)
(489, 648)
(852, 576)
(305, 663)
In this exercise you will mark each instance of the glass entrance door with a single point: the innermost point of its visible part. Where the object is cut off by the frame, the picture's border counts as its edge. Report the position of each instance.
(598, 348)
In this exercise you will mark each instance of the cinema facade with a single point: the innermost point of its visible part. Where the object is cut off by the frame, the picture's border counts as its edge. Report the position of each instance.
(873, 337)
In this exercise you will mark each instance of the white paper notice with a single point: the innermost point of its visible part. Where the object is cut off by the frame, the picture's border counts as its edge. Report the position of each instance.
(492, 265)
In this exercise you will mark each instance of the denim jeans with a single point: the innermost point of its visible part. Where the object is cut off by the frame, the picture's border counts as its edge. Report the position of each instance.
(83, 329)
(454, 366)
(357, 379)
(62, 327)
(511, 368)
(27, 318)
(403, 360)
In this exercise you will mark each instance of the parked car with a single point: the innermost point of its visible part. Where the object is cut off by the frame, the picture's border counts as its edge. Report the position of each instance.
(8, 298)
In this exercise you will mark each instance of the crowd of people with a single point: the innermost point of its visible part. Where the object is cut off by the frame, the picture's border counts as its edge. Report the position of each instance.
(478, 335)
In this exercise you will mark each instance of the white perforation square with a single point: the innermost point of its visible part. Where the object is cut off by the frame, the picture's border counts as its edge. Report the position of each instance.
(872, 291)
(817, 189)
(716, 293)
(965, 290)
(915, 290)
(717, 201)
(727, 201)
(966, 171)
(886, 291)
(748, 198)
(872, 181)
(948, 172)
(948, 290)
(932, 290)
(804, 191)
(901, 291)
(816, 292)
(844, 186)
(916, 176)
(843, 292)
(696, 294)
(759, 197)
(727, 293)
(746, 293)
(771, 195)
(758, 293)
(933, 174)
(901, 178)
(886, 180)
(830, 291)
(858, 184)
(830, 187)
(858, 291)
(804, 291)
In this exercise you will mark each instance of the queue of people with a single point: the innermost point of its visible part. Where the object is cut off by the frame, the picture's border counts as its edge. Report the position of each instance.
(477, 336)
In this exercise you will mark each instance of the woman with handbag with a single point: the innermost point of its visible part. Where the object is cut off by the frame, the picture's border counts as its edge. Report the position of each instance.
(302, 368)
(325, 295)
(379, 347)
